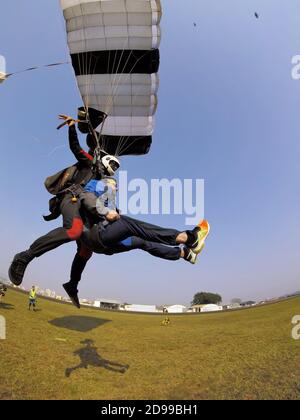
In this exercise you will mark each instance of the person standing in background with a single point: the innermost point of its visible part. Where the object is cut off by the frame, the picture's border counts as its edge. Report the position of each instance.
(32, 298)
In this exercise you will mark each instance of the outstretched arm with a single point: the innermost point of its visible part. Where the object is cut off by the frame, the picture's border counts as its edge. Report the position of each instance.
(80, 154)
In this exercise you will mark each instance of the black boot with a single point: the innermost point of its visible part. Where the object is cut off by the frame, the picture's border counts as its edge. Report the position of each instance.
(18, 267)
(72, 292)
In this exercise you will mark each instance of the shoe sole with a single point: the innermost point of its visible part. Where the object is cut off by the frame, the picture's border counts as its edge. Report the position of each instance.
(196, 258)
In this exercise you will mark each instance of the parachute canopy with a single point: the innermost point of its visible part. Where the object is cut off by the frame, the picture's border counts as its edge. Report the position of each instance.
(114, 48)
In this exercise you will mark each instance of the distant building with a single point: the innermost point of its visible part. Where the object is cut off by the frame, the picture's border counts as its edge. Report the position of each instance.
(176, 309)
(141, 308)
(196, 308)
(211, 308)
(50, 293)
(206, 308)
(234, 306)
(85, 302)
(107, 304)
(248, 303)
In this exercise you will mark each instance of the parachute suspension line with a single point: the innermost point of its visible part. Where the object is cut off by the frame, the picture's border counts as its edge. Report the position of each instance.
(110, 98)
(111, 86)
(122, 150)
(120, 143)
(85, 69)
(114, 84)
(103, 145)
(110, 101)
(90, 72)
(63, 63)
(97, 152)
(124, 139)
(126, 41)
(131, 71)
(115, 87)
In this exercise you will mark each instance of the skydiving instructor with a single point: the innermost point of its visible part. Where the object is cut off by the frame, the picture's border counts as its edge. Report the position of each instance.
(66, 185)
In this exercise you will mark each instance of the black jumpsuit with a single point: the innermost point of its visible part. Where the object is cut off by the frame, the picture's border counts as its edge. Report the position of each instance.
(70, 209)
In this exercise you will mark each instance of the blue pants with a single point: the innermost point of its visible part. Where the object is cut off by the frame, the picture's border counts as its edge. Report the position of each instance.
(153, 248)
(126, 227)
(87, 246)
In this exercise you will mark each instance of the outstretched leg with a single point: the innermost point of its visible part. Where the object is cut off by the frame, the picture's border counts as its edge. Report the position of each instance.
(155, 249)
(71, 231)
(126, 227)
(82, 256)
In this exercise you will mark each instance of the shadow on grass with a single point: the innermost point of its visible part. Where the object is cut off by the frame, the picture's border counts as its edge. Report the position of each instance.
(89, 357)
(7, 306)
(78, 323)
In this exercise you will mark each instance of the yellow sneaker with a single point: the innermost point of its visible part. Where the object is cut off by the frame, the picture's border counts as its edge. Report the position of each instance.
(202, 234)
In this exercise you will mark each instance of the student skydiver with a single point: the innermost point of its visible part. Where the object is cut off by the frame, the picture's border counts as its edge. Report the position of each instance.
(89, 244)
(67, 185)
(101, 241)
(100, 197)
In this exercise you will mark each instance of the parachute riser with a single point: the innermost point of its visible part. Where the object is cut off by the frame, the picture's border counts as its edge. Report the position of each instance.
(97, 164)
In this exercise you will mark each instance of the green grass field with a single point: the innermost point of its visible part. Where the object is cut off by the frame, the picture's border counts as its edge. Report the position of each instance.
(60, 352)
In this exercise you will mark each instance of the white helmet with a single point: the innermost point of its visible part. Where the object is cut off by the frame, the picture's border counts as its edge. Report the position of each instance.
(111, 164)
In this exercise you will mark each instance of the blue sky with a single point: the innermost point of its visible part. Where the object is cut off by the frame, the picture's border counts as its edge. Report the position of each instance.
(228, 112)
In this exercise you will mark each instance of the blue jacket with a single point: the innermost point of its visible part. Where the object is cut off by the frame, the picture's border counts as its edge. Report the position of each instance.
(105, 193)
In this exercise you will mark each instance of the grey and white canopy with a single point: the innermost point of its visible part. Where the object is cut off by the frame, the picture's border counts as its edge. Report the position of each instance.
(114, 47)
